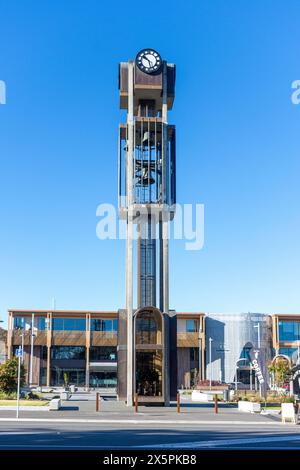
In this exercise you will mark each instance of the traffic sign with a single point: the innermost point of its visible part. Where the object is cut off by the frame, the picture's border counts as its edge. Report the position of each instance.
(19, 352)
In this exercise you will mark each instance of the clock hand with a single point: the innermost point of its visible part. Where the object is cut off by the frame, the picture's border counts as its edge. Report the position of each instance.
(150, 63)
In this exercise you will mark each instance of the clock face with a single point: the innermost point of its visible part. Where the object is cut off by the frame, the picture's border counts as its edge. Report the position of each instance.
(148, 61)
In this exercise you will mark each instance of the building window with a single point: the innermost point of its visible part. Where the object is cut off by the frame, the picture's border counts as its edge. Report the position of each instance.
(292, 353)
(103, 379)
(289, 330)
(43, 375)
(194, 354)
(102, 324)
(72, 376)
(68, 324)
(44, 352)
(19, 323)
(194, 377)
(191, 326)
(68, 352)
(40, 323)
(245, 354)
(103, 353)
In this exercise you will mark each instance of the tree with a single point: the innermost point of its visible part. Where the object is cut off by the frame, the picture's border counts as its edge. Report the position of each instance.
(281, 372)
(9, 376)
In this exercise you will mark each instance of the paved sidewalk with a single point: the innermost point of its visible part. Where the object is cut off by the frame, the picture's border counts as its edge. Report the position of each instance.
(112, 411)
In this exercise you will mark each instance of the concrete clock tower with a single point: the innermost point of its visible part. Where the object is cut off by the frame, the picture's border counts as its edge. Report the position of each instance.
(147, 194)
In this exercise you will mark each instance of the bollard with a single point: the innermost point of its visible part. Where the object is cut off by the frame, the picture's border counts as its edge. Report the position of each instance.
(97, 402)
(216, 404)
(136, 403)
(178, 402)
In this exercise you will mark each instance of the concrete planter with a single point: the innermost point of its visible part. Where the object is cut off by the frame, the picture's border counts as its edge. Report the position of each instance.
(201, 397)
(55, 404)
(64, 395)
(248, 406)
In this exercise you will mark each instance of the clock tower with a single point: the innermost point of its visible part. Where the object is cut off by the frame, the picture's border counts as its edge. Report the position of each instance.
(147, 194)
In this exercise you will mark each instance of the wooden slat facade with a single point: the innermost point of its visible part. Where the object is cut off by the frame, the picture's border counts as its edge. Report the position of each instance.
(89, 338)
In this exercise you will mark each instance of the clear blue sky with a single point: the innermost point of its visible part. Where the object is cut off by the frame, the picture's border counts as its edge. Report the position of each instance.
(238, 149)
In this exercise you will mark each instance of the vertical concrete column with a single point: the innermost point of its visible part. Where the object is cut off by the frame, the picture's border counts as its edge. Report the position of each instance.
(203, 349)
(164, 229)
(200, 348)
(88, 345)
(165, 215)
(9, 335)
(129, 233)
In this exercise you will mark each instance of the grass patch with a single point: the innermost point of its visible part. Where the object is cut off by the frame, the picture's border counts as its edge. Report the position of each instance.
(24, 402)
(271, 407)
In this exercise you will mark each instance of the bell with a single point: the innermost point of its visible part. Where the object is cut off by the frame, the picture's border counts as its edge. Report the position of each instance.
(146, 137)
(143, 179)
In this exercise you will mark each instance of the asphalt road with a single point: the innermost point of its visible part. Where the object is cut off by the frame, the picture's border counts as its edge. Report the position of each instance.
(31, 435)
(78, 426)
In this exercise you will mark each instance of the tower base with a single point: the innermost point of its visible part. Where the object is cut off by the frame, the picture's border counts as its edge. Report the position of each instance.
(154, 356)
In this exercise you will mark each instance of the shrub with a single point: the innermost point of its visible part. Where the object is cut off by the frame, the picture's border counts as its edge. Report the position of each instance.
(9, 376)
(8, 396)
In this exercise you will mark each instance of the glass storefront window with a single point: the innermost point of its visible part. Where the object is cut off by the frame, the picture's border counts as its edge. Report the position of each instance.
(44, 352)
(103, 353)
(289, 330)
(43, 376)
(68, 352)
(103, 379)
(149, 373)
(74, 376)
(194, 354)
(68, 324)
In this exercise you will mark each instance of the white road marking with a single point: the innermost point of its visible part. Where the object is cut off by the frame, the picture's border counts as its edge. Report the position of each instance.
(223, 442)
(9, 433)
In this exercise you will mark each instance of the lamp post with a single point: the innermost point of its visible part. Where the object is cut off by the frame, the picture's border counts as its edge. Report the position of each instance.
(210, 364)
(31, 359)
(236, 371)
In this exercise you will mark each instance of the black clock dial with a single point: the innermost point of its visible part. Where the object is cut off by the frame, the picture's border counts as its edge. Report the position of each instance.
(148, 61)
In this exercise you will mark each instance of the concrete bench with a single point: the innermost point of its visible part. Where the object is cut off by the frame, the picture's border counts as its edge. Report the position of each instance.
(249, 406)
(201, 397)
(55, 404)
(64, 395)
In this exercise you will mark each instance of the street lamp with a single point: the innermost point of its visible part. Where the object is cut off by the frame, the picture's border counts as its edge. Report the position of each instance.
(210, 364)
